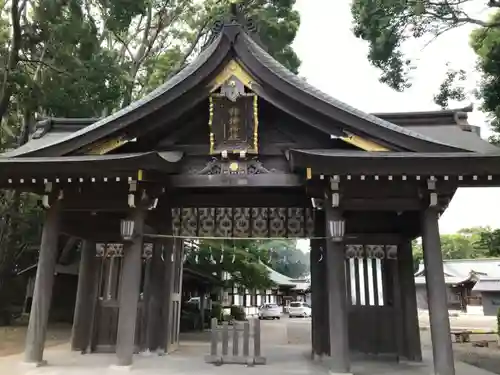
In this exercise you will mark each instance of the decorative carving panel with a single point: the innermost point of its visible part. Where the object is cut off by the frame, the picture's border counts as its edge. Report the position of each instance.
(189, 221)
(243, 222)
(224, 219)
(110, 250)
(207, 222)
(277, 222)
(371, 251)
(176, 221)
(297, 222)
(260, 222)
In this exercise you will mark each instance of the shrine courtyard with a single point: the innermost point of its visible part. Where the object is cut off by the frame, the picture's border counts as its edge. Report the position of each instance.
(286, 344)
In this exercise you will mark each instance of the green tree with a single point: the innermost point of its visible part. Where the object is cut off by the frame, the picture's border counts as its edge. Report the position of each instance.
(485, 41)
(242, 260)
(489, 242)
(387, 24)
(467, 243)
(90, 57)
(286, 259)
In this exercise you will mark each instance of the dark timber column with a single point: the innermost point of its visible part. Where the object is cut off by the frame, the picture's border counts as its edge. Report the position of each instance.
(202, 292)
(168, 286)
(80, 335)
(323, 295)
(436, 294)
(314, 257)
(337, 296)
(42, 296)
(154, 323)
(412, 346)
(319, 294)
(129, 292)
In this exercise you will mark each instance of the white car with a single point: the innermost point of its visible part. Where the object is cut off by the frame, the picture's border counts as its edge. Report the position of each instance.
(300, 309)
(269, 311)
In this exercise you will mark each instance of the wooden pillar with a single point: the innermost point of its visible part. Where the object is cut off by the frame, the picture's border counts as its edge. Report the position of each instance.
(202, 293)
(177, 294)
(411, 331)
(129, 292)
(318, 300)
(436, 294)
(42, 297)
(85, 295)
(154, 320)
(337, 297)
(168, 284)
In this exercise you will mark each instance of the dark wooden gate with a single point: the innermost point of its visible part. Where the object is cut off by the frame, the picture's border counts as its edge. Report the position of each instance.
(105, 322)
(374, 302)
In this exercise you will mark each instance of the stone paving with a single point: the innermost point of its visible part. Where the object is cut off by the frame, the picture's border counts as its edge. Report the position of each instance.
(285, 344)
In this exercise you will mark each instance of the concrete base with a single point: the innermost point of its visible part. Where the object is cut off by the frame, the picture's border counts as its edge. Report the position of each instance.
(121, 368)
(29, 365)
(235, 360)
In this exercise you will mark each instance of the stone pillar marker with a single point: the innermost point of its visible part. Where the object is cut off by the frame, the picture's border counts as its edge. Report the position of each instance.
(42, 297)
(80, 334)
(337, 297)
(436, 293)
(129, 292)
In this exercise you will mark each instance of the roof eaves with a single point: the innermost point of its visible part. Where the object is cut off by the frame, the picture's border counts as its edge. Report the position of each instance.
(120, 119)
(291, 79)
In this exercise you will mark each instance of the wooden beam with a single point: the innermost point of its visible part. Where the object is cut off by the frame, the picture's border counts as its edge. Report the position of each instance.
(372, 238)
(236, 181)
(257, 198)
(382, 204)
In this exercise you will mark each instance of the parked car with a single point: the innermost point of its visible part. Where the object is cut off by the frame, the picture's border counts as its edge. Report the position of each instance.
(269, 311)
(299, 309)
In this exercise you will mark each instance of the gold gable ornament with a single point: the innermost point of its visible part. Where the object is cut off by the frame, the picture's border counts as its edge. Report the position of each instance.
(233, 120)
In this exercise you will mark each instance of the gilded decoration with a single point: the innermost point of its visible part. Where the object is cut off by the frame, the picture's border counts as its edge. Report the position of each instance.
(103, 147)
(226, 167)
(364, 144)
(233, 124)
(231, 71)
(243, 222)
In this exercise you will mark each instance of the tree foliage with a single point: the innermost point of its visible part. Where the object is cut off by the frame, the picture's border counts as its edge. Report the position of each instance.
(244, 260)
(285, 258)
(467, 243)
(387, 24)
(88, 58)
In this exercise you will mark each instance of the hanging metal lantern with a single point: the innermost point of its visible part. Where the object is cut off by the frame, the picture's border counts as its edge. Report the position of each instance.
(337, 229)
(127, 229)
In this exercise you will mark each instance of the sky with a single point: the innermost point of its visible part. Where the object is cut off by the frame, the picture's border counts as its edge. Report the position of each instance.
(335, 61)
